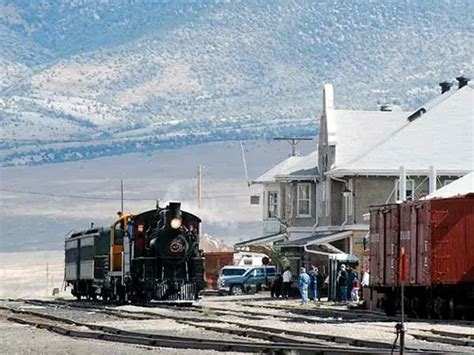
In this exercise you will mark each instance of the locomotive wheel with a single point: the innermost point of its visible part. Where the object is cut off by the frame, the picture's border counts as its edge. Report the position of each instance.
(237, 290)
(451, 308)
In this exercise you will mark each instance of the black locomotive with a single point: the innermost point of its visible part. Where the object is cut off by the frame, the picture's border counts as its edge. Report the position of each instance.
(142, 257)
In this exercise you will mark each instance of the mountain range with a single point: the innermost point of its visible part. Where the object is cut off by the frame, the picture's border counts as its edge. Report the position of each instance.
(84, 79)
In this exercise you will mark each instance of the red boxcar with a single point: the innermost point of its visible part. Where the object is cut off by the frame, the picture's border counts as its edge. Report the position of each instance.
(213, 263)
(438, 239)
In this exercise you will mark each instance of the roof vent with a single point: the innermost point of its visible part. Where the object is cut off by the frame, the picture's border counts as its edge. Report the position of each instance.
(416, 114)
(462, 80)
(445, 86)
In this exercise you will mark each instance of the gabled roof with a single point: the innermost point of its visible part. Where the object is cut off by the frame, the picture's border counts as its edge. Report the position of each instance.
(354, 132)
(294, 168)
(441, 137)
(459, 187)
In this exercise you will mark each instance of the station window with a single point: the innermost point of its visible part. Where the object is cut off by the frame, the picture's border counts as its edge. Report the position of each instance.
(304, 200)
(272, 203)
(410, 189)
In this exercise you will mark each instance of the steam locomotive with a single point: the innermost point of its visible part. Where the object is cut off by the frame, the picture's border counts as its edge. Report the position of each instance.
(150, 256)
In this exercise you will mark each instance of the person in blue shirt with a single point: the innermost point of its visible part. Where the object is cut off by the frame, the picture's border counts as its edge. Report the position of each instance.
(303, 285)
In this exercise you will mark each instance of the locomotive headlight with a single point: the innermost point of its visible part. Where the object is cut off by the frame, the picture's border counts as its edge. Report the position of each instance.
(176, 223)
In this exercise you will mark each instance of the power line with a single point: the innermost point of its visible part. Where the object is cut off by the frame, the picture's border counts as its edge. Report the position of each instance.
(103, 198)
(83, 197)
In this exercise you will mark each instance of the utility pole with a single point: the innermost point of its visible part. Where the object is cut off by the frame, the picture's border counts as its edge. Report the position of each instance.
(293, 142)
(245, 163)
(121, 195)
(199, 186)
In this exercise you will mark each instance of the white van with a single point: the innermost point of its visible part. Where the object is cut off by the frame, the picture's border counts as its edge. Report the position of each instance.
(248, 259)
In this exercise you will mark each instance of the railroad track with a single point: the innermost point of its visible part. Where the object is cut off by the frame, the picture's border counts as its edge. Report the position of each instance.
(438, 337)
(237, 328)
(345, 315)
(244, 329)
(256, 331)
(245, 314)
(67, 327)
(356, 315)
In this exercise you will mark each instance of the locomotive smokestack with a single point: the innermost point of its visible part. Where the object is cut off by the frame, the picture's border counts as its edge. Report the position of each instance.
(175, 209)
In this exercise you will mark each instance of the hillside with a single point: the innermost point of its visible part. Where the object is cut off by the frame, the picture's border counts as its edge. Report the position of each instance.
(89, 79)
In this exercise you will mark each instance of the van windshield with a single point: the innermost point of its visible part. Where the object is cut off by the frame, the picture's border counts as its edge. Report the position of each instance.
(232, 272)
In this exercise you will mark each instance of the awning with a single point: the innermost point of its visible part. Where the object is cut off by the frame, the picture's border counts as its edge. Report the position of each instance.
(319, 243)
(262, 240)
(318, 238)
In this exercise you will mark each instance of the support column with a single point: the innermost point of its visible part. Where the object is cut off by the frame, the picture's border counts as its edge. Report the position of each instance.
(432, 179)
(402, 184)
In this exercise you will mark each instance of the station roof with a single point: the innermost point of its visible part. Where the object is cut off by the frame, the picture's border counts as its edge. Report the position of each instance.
(354, 132)
(441, 136)
(293, 168)
(459, 187)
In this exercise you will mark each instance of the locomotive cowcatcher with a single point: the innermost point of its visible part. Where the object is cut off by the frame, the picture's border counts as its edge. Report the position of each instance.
(153, 255)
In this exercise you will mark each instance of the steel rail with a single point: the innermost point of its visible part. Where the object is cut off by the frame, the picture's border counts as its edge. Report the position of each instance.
(121, 336)
(259, 332)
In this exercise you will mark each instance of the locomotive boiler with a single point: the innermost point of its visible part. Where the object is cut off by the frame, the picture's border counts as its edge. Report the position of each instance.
(150, 256)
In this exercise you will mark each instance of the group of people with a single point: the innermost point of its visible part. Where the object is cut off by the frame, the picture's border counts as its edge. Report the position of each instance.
(310, 283)
(349, 285)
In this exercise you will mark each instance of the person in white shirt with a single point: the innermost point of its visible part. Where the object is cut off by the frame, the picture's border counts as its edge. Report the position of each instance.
(286, 282)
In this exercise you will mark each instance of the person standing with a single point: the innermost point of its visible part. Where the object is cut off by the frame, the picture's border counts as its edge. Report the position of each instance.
(342, 280)
(355, 290)
(313, 283)
(304, 281)
(351, 275)
(286, 283)
(276, 290)
(319, 284)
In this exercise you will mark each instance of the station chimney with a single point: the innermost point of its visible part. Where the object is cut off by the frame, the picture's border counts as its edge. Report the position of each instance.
(462, 81)
(445, 86)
